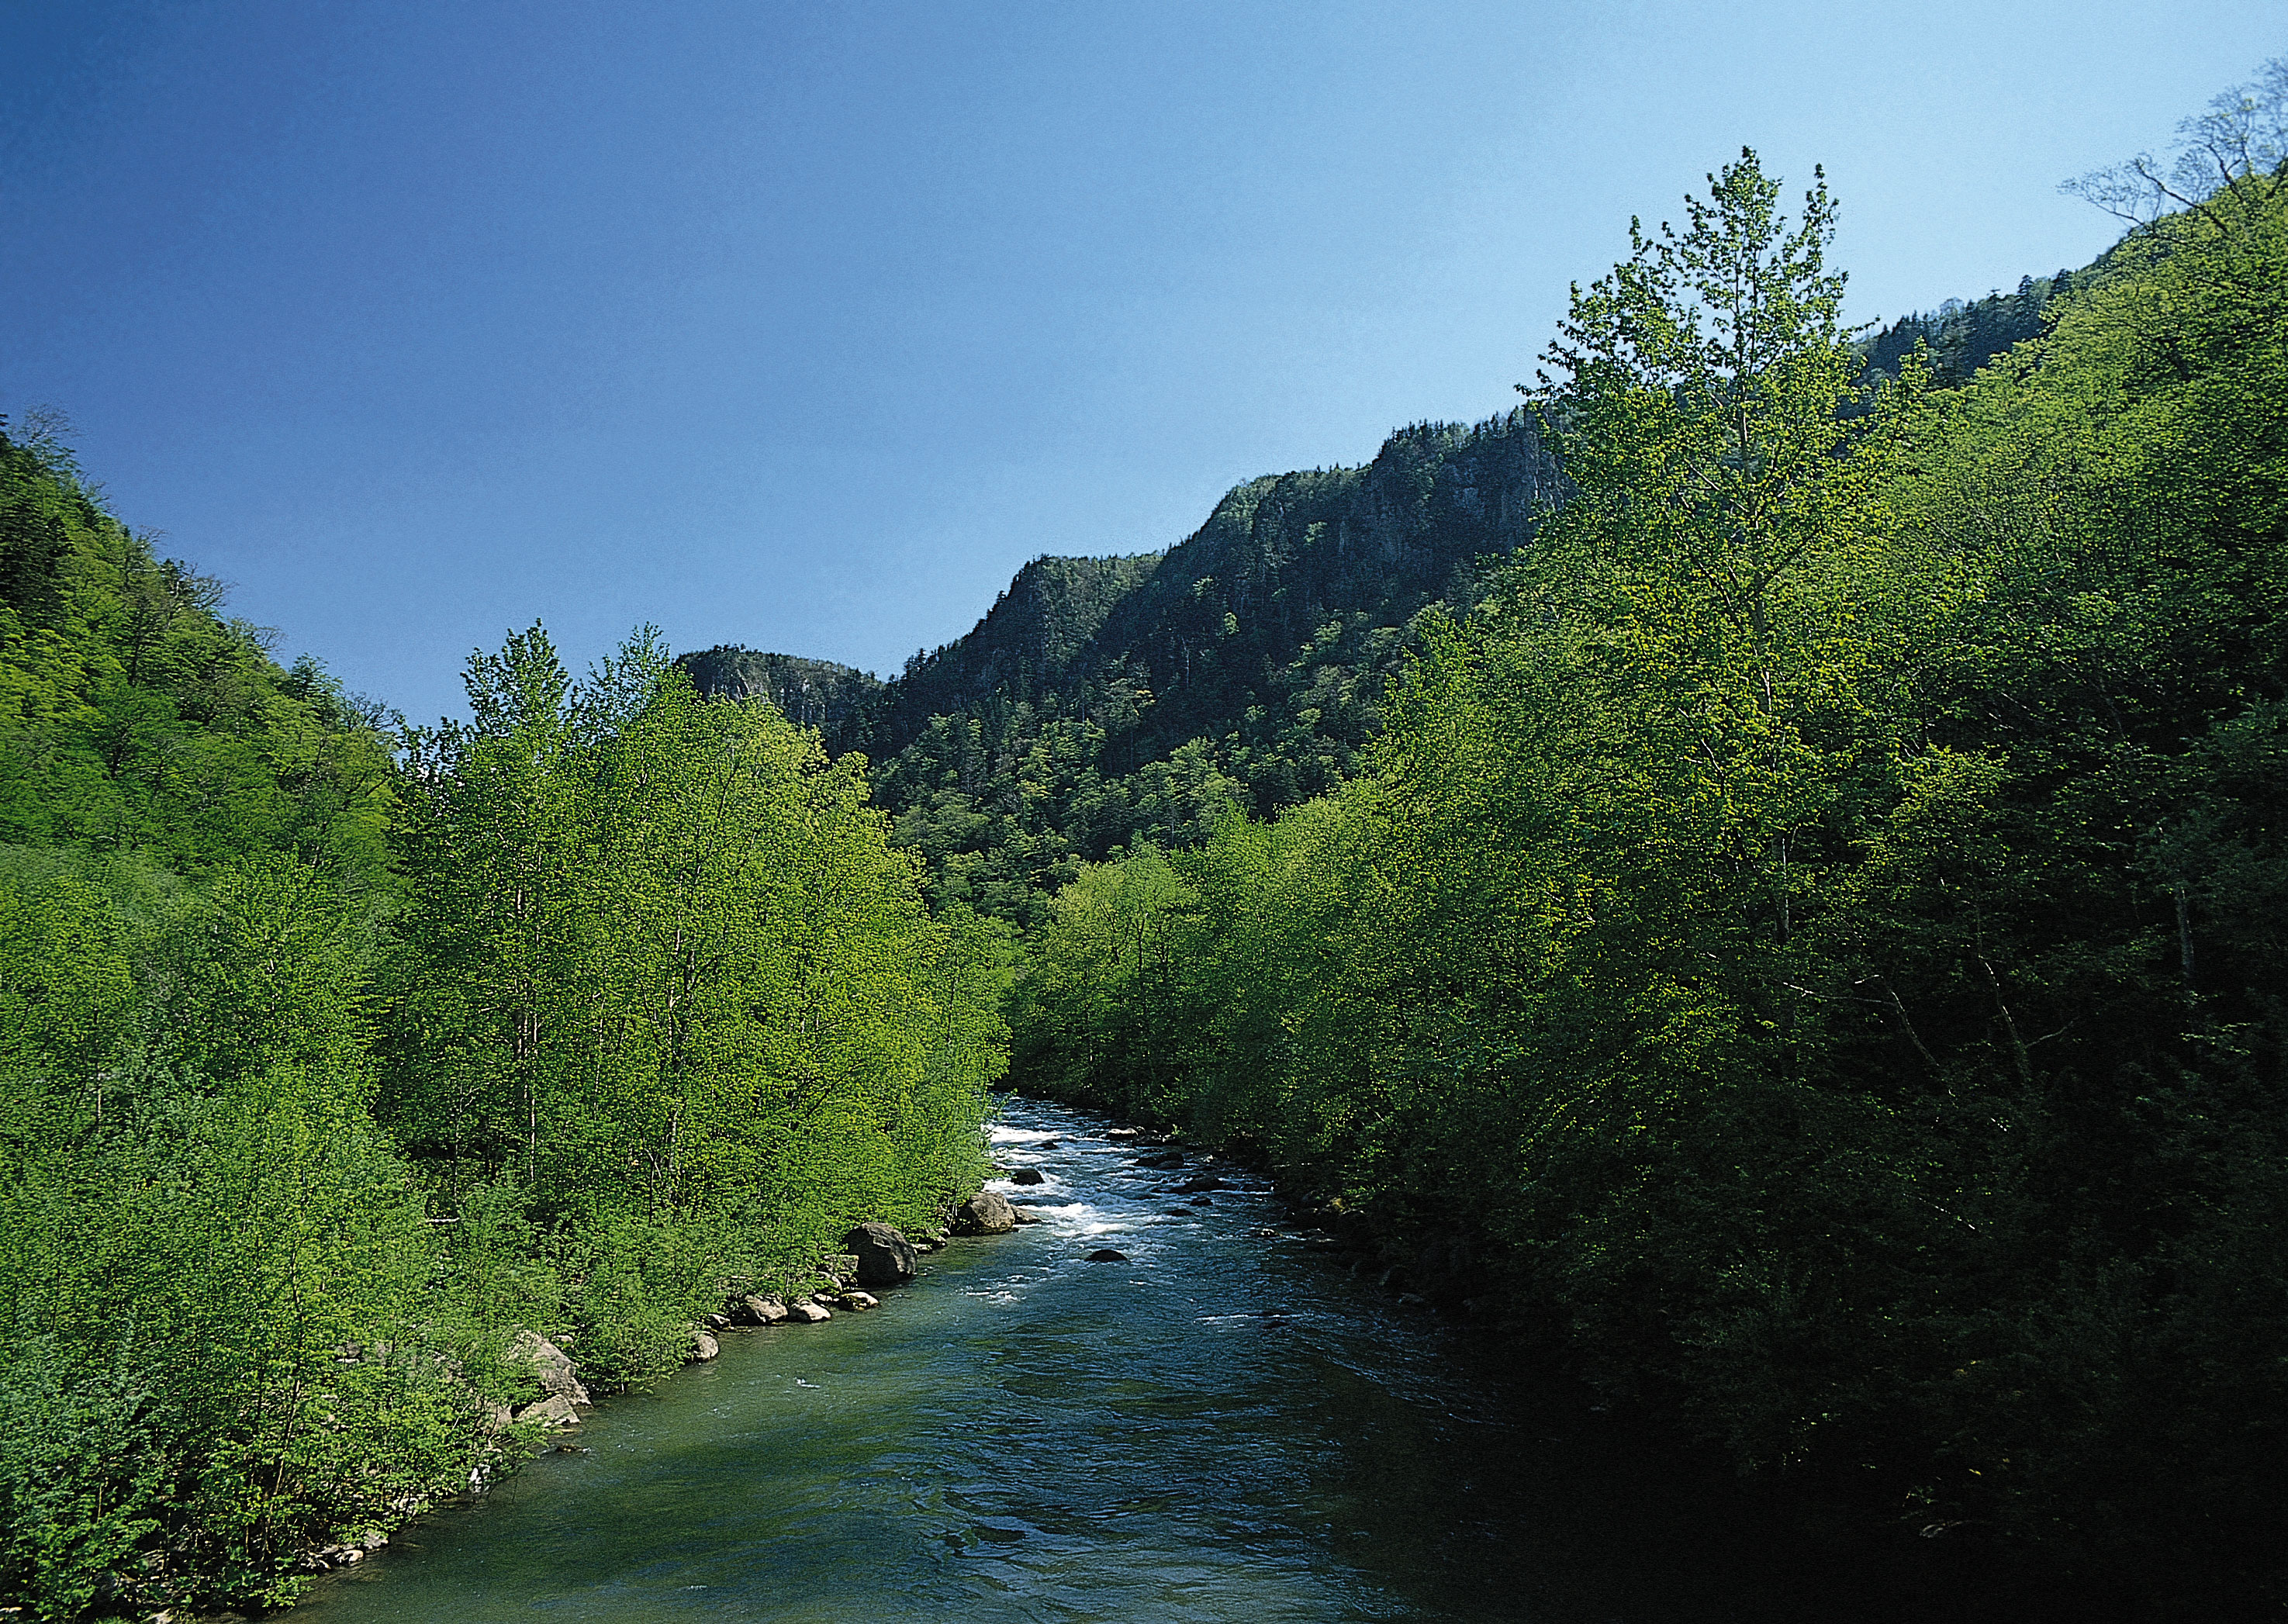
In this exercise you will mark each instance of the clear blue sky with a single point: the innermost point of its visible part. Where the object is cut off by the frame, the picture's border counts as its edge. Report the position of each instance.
(803, 326)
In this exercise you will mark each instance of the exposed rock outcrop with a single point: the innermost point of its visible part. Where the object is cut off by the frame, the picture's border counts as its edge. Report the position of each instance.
(556, 1410)
(885, 1257)
(549, 1362)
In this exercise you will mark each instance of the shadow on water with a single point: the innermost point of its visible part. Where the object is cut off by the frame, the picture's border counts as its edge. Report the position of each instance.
(1226, 1427)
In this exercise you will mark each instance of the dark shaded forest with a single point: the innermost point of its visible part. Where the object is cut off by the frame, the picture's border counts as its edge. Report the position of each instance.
(1803, 951)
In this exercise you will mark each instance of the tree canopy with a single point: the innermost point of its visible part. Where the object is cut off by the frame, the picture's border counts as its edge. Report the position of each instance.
(1803, 948)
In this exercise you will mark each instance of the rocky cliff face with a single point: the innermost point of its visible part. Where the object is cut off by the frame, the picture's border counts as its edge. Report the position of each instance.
(1102, 700)
(1290, 571)
(809, 693)
(1198, 632)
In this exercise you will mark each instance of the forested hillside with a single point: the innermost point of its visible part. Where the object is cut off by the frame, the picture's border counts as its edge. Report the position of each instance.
(1805, 950)
(1104, 700)
(334, 1064)
(1958, 338)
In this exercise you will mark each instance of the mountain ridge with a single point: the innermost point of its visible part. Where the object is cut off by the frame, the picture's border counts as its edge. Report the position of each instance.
(1106, 699)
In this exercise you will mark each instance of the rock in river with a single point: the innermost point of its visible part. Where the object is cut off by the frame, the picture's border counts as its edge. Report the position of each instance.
(885, 1257)
(1204, 1181)
(985, 1213)
(1106, 1254)
(758, 1311)
(703, 1347)
(807, 1313)
(1026, 1175)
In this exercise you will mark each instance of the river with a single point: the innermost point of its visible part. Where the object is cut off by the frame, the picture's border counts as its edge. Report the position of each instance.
(1228, 1426)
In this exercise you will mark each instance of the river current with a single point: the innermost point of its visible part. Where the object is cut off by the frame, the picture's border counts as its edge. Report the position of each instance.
(1228, 1426)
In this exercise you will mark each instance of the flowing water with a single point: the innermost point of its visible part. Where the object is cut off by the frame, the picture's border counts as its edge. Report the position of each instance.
(1228, 1426)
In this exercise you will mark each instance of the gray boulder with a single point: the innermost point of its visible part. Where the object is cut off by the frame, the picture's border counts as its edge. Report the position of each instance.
(758, 1311)
(549, 1362)
(807, 1313)
(885, 1257)
(1204, 1181)
(703, 1347)
(556, 1410)
(985, 1213)
(857, 1302)
(1026, 1175)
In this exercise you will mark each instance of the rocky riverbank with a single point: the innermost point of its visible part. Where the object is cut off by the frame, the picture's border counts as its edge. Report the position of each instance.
(875, 1256)
(1428, 1274)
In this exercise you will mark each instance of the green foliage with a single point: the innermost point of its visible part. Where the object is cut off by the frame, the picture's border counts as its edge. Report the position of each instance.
(1107, 702)
(134, 718)
(658, 966)
(190, 1232)
(322, 1074)
(1807, 942)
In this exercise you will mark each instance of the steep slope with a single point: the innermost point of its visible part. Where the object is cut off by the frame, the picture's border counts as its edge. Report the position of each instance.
(1036, 641)
(136, 717)
(1290, 574)
(1104, 700)
(808, 693)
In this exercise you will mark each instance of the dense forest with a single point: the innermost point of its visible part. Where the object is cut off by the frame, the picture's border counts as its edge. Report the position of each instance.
(335, 1062)
(1755, 878)
(1804, 950)
(1106, 701)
